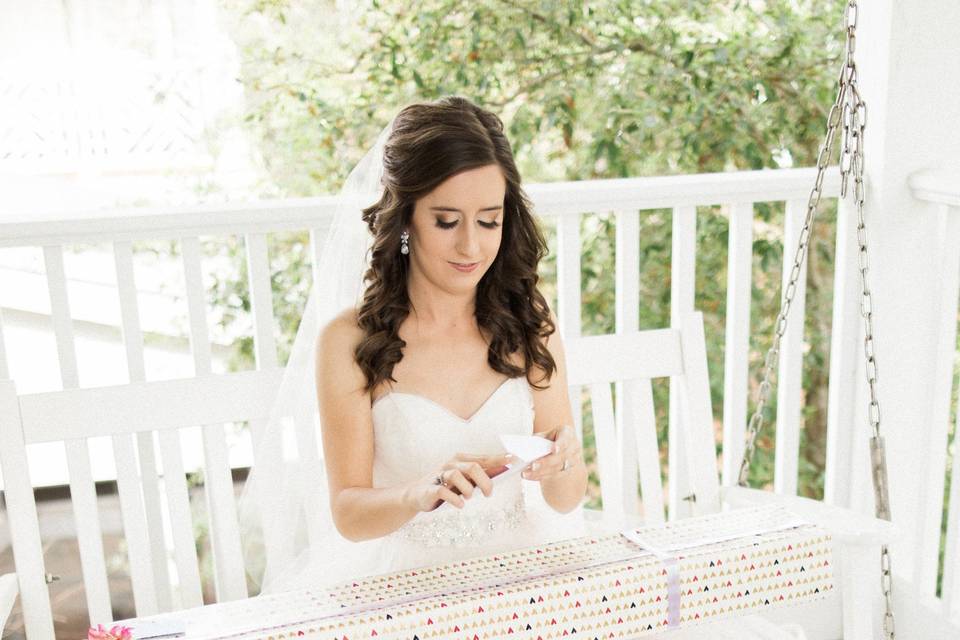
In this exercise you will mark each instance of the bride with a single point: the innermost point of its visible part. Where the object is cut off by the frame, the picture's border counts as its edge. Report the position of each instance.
(451, 343)
(448, 346)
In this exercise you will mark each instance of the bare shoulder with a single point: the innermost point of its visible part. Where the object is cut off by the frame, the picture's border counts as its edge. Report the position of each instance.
(341, 331)
(336, 343)
(344, 404)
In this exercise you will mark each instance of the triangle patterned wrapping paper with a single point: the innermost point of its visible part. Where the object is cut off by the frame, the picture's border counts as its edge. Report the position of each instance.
(605, 586)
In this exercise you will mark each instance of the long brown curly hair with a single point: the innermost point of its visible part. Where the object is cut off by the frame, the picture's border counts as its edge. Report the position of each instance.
(429, 143)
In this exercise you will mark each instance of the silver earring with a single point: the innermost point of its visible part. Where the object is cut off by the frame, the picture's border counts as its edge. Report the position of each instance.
(404, 238)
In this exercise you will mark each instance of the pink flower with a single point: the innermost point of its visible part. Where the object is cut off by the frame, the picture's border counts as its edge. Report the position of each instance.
(116, 632)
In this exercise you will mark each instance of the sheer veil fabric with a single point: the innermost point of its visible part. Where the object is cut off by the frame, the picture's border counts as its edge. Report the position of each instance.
(284, 507)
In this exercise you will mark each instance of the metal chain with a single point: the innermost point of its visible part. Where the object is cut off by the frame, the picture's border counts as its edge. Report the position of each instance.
(852, 111)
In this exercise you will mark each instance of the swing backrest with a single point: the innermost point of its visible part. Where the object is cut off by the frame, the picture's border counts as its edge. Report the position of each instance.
(130, 415)
(618, 370)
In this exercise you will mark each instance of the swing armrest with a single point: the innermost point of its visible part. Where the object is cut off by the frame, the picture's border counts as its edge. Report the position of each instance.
(845, 525)
(8, 595)
(925, 613)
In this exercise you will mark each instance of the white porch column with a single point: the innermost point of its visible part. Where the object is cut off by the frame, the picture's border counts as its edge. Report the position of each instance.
(908, 55)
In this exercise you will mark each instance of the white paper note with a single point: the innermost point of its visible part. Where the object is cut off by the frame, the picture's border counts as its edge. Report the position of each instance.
(158, 629)
(527, 448)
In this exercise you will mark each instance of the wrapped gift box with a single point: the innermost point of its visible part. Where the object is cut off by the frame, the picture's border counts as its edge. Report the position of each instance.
(617, 585)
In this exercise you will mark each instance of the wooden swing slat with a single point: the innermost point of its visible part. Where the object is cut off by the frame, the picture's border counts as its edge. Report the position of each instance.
(627, 318)
(107, 411)
(846, 355)
(83, 498)
(697, 436)
(22, 516)
(261, 309)
(181, 519)
(639, 399)
(149, 480)
(229, 575)
(736, 352)
(790, 366)
(601, 403)
(682, 287)
(135, 526)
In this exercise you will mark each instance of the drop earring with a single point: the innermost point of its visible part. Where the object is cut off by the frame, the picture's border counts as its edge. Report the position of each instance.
(404, 246)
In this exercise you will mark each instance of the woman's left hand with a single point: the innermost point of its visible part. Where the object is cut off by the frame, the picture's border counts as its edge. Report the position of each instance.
(566, 454)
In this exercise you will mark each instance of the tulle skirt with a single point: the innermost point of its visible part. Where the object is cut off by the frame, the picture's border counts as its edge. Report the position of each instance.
(339, 560)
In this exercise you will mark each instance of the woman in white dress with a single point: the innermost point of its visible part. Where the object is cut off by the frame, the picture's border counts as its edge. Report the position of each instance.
(452, 346)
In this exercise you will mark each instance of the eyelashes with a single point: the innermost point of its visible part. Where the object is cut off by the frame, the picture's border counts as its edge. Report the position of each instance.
(451, 225)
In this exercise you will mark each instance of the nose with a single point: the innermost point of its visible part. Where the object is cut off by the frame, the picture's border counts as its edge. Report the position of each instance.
(468, 241)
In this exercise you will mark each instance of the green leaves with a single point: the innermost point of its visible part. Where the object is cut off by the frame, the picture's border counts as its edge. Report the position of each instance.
(608, 89)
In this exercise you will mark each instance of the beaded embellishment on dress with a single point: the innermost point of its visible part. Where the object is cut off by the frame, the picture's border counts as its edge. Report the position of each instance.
(453, 529)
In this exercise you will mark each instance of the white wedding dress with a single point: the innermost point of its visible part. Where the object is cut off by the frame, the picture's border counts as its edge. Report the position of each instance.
(414, 436)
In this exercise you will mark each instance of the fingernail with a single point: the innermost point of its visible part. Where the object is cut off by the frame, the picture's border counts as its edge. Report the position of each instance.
(554, 449)
(536, 465)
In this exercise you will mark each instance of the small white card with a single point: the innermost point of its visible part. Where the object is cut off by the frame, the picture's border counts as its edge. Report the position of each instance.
(527, 448)
(158, 629)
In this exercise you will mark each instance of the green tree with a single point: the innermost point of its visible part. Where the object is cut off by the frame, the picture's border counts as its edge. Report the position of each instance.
(586, 90)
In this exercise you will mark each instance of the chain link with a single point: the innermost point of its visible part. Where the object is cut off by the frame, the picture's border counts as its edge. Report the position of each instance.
(850, 111)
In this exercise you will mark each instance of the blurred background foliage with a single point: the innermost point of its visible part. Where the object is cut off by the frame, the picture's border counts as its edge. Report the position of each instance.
(605, 89)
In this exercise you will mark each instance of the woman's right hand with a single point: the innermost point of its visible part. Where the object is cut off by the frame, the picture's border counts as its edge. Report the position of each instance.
(460, 477)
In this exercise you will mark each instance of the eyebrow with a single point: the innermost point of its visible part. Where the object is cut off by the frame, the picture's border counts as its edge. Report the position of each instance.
(495, 208)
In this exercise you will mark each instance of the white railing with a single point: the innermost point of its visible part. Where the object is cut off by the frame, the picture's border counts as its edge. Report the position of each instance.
(562, 206)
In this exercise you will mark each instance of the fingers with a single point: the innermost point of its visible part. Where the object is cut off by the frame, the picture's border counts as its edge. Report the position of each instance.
(458, 480)
(467, 472)
(472, 474)
(566, 449)
(479, 477)
(445, 494)
(479, 469)
(544, 467)
(487, 461)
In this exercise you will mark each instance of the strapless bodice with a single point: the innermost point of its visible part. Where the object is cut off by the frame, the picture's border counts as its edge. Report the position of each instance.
(414, 436)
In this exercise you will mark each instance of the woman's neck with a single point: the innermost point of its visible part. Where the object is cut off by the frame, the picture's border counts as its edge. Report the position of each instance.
(437, 310)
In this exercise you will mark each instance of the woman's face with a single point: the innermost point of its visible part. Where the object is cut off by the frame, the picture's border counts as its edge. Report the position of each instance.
(459, 223)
